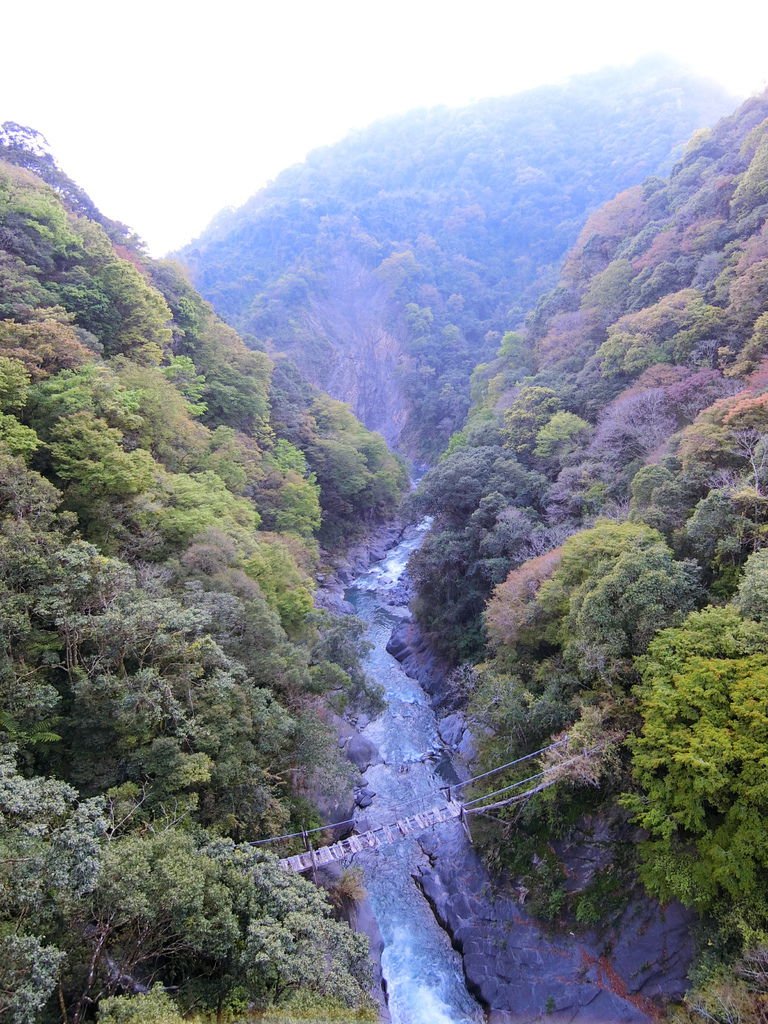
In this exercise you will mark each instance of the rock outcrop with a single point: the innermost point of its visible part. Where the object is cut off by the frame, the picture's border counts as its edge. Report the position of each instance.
(520, 970)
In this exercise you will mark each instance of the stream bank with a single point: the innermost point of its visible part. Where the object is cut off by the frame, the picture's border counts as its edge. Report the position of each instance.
(520, 970)
(454, 949)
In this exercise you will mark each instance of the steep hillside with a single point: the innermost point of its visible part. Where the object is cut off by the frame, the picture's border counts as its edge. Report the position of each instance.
(386, 265)
(659, 312)
(616, 461)
(165, 681)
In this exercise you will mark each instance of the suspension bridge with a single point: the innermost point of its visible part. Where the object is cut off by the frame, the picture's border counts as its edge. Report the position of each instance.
(452, 808)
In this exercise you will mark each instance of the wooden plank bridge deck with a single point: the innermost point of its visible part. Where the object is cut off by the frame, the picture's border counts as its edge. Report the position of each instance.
(373, 839)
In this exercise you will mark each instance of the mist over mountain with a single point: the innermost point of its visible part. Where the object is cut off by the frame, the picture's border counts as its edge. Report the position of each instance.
(388, 266)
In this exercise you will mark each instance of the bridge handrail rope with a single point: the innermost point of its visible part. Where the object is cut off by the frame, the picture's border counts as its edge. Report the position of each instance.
(424, 798)
(451, 789)
(300, 835)
(509, 764)
(516, 785)
(331, 824)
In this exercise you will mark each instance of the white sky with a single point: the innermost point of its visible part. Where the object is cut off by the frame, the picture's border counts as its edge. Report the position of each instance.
(167, 111)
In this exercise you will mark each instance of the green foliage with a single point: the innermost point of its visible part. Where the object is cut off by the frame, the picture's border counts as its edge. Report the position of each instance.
(560, 436)
(752, 595)
(93, 388)
(19, 440)
(234, 923)
(164, 424)
(87, 453)
(336, 664)
(74, 260)
(153, 708)
(182, 373)
(659, 499)
(606, 894)
(360, 480)
(530, 411)
(286, 589)
(752, 190)
(488, 518)
(356, 479)
(519, 714)
(546, 884)
(565, 629)
(28, 974)
(736, 994)
(154, 1007)
(614, 616)
(14, 384)
(699, 762)
(609, 289)
(310, 1008)
(188, 503)
(599, 599)
(717, 532)
(620, 391)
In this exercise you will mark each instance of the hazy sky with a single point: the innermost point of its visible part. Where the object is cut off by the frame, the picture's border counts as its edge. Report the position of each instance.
(167, 111)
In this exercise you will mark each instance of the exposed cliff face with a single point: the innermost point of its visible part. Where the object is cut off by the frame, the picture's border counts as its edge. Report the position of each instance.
(523, 973)
(347, 342)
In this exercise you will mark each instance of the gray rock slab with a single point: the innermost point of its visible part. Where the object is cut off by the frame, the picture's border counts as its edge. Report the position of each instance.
(362, 752)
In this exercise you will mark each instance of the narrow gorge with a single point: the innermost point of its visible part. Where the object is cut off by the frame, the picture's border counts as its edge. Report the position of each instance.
(287, 738)
(455, 945)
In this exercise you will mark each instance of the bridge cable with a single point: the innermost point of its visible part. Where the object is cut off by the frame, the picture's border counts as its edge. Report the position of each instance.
(517, 785)
(509, 764)
(417, 800)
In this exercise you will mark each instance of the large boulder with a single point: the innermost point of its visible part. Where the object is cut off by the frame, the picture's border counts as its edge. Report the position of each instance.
(362, 752)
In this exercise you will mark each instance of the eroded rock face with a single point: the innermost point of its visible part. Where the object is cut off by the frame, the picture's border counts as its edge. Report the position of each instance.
(452, 729)
(523, 972)
(519, 969)
(362, 919)
(356, 353)
(362, 752)
(419, 661)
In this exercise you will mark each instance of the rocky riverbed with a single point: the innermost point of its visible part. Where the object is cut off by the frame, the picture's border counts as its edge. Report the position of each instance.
(521, 972)
(494, 959)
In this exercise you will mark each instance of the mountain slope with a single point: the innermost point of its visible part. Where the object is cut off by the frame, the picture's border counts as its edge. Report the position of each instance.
(658, 313)
(386, 265)
(599, 551)
(165, 681)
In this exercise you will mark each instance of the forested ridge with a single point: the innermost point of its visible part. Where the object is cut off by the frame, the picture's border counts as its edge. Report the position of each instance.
(389, 264)
(598, 558)
(166, 498)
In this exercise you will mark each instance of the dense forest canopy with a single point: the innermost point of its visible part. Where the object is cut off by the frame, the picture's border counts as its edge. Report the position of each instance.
(636, 386)
(387, 265)
(598, 552)
(166, 496)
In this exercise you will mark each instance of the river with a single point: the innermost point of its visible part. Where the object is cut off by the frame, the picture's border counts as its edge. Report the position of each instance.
(423, 973)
